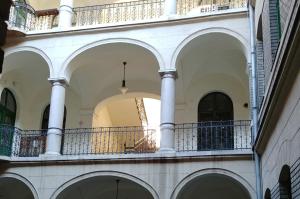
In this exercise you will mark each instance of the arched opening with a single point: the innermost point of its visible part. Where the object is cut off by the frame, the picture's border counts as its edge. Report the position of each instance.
(31, 88)
(285, 183)
(8, 109)
(213, 63)
(215, 109)
(128, 124)
(112, 122)
(108, 187)
(267, 194)
(215, 106)
(11, 188)
(213, 186)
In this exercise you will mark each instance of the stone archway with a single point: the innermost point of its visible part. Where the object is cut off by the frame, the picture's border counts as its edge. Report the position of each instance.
(214, 186)
(105, 185)
(14, 186)
(217, 179)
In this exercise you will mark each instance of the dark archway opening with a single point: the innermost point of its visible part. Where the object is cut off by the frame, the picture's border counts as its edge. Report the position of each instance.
(108, 187)
(267, 194)
(11, 188)
(285, 183)
(215, 118)
(214, 186)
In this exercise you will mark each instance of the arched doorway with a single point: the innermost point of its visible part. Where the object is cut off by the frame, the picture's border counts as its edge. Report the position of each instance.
(215, 116)
(214, 186)
(108, 187)
(267, 194)
(8, 109)
(11, 188)
(285, 183)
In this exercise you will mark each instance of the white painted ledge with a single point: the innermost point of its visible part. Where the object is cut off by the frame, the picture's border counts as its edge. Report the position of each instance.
(130, 156)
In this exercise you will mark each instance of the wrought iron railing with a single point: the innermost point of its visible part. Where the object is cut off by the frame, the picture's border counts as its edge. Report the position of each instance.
(109, 140)
(214, 135)
(196, 7)
(118, 12)
(21, 143)
(22, 16)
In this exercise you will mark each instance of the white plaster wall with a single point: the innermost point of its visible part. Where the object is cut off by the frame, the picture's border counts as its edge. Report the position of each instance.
(60, 46)
(102, 118)
(163, 177)
(284, 145)
(187, 111)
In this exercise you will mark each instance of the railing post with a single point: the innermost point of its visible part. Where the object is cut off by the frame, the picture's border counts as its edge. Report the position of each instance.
(167, 115)
(170, 8)
(65, 13)
(56, 117)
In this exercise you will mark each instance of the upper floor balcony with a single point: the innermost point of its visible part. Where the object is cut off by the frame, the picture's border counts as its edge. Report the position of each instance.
(24, 17)
(205, 138)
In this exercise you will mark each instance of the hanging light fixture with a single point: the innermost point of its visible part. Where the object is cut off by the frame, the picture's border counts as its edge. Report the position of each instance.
(124, 89)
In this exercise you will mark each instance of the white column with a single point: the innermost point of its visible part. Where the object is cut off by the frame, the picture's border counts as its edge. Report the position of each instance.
(56, 117)
(170, 8)
(65, 13)
(167, 114)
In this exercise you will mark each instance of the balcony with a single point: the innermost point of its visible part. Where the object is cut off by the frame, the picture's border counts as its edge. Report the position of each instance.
(230, 136)
(24, 18)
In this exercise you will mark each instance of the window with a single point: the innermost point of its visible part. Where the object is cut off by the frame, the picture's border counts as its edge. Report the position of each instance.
(215, 118)
(285, 183)
(8, 108)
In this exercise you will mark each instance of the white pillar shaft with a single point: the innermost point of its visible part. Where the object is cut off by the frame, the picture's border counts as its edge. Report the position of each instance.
(170, 7)
(65, 13)
(56, 117)
(167, 111)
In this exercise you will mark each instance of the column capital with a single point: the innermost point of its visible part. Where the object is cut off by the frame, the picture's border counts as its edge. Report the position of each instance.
(58, 81)
(168, 74)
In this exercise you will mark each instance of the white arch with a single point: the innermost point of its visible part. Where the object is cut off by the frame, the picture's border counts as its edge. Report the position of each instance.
(234, 34)
(126, 96)
(38, 51)
(105, 173)
(22, 179)
(65, 67)
(224, 172)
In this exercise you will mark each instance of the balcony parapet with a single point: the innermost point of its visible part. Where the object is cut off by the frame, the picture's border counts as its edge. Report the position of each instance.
(224, 138)
(25, 18)
(213, 136)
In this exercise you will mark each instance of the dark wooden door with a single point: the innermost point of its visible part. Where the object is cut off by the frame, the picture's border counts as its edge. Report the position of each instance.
(215, 122)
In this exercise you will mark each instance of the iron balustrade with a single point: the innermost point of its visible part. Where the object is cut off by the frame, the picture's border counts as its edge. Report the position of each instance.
(213, 135)
(21, 143)
(194, 7)
(25, 18)
(109, 140)
(118, 12)
(22, 16)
